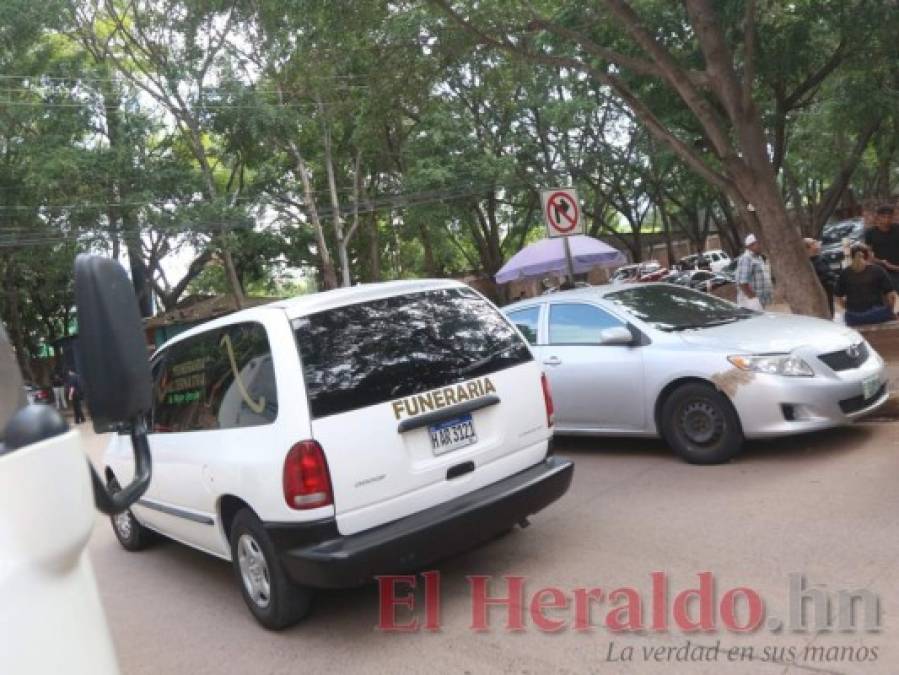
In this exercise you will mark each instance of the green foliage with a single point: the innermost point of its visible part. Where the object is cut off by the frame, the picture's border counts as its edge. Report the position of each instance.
(183, 142)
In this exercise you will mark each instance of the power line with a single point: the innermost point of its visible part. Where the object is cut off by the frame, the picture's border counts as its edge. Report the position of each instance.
(125, 80)
(196, 105)
(162, 203)
(399, 201)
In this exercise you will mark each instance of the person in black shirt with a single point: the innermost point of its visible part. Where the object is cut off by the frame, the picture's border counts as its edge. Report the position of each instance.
(825, 275)
(883, 239)
(76, 394)
(867, 291)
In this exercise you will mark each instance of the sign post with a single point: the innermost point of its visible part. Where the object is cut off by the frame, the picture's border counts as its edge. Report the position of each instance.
(563, 219)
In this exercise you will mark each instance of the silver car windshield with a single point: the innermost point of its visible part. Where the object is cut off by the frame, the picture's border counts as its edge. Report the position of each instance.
(670, 308)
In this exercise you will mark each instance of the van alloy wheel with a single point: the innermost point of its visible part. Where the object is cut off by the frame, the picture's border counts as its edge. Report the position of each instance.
(122, 523)
(254, 570)
(131, 534)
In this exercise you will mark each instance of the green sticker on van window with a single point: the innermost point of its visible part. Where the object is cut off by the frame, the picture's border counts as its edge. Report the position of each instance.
(185, 397)
(187, 376)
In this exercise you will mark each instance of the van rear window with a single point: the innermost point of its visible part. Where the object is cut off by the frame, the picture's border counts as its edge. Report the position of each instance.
(373, 352)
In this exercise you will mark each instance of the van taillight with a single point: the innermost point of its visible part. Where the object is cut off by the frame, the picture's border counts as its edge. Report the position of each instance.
(307, 482)
(548, 400)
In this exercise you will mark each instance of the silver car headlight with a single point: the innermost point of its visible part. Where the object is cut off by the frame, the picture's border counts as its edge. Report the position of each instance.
(773, 364)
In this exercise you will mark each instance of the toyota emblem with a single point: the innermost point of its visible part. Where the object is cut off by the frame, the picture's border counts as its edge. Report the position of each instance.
(853, 351)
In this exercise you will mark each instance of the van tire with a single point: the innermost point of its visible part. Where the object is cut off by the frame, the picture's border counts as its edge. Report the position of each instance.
(131, 534)
(701, 425)
(274, 600)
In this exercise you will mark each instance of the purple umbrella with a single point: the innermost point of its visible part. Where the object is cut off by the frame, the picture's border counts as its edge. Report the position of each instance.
(547, 256)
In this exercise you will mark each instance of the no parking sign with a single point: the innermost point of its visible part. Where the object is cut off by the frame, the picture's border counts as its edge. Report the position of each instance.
(561, 212)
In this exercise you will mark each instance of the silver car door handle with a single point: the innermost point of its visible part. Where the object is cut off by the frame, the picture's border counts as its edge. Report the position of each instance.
(552, 361)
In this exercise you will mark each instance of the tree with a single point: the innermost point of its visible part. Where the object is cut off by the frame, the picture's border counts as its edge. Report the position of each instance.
(170, 51)
(718, 130)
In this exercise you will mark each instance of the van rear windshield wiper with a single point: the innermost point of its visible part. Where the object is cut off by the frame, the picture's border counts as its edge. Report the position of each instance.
(474, 365)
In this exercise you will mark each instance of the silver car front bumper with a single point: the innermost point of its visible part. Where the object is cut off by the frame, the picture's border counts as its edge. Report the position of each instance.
(773, 405)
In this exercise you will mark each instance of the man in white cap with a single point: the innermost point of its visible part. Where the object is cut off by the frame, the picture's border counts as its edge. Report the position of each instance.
(754, 288)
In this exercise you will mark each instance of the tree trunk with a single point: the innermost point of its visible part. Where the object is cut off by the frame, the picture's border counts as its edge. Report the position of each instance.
(138, 273)
(755, 180)
(337, 219)
(374, 249)
(782, 243)
(233, 277)
(130, 230)
(666, 230)
(834, 193)
(329, 275)
(16, 333)
(428, 249)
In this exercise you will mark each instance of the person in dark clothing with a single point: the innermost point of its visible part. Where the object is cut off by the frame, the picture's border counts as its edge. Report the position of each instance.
(75, 390)
(59, 391)
(826, 276)
(867, 291)
(883, 239)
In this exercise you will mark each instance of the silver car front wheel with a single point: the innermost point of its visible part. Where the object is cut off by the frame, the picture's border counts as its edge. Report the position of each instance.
(700, 424)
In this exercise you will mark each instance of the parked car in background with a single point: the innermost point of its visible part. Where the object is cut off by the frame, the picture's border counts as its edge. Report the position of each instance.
(662, 360)
(653, 274)
(832, 237)
(693, 262)
(714, 261)
(36, 394)
(673, 276)
(703, 280)
(624, 273)
(637, 271)
(699, 279)
(730, 270)
(717, 258)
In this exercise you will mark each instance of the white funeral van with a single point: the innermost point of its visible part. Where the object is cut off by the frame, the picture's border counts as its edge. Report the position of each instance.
(320, 441)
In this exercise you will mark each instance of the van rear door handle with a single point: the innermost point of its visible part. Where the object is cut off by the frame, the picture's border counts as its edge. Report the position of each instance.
(552, 361)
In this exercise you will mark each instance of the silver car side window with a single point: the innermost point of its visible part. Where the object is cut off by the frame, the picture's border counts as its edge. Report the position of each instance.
(578, 323)
(527, 320)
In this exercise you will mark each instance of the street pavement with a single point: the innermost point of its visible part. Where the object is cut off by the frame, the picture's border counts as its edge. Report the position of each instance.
(823, 505)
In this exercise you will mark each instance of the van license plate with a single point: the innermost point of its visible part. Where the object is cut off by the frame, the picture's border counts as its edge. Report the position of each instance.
(452, 434)
(870, 385)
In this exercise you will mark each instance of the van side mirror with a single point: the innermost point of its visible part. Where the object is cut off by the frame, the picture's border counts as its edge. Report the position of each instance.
(114, 367)
(618, 335)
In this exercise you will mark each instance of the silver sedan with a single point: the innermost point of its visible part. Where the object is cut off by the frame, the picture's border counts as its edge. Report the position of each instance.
(663, 360)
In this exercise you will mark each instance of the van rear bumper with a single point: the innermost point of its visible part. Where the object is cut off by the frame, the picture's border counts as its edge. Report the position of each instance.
(418, 540)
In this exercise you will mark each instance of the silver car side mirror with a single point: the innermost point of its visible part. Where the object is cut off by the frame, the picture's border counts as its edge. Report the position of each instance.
(619, 335)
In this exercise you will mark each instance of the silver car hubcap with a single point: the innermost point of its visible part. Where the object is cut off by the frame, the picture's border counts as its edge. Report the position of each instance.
(123, 524)
(254, 570)
(701, 422)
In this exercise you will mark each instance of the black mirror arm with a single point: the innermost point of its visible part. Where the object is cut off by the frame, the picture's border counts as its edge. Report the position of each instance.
(113, 503)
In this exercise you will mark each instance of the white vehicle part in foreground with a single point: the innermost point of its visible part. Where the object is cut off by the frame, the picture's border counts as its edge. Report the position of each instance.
(51, 620)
